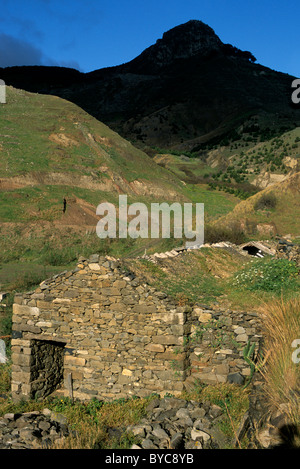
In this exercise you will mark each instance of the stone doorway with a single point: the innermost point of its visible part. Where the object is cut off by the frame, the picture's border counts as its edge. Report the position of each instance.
(47, 370)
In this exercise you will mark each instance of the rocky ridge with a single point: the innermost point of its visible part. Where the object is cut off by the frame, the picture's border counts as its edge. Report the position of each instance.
(182, 42)
(187, 89)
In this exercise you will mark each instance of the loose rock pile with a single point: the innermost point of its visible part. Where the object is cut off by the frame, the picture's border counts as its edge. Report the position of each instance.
(170, 423)
(154, 258)
(173, 423)
(285, 249)
(32, 430)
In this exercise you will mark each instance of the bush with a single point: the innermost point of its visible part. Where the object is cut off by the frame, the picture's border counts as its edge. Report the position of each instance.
(266, 202)
(214, 234)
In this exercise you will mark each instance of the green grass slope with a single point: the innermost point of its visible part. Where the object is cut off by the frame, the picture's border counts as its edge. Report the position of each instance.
(43, 137)
(273, 211)
(50, 151)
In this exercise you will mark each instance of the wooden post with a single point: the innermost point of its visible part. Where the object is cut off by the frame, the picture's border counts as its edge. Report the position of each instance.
(70, 385)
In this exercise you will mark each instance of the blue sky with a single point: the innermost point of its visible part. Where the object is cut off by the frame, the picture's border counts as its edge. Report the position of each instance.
(93, 34)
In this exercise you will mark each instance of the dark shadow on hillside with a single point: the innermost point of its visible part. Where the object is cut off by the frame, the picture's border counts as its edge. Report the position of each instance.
(290, 437)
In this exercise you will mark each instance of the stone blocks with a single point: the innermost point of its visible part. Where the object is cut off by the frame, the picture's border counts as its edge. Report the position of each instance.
(114, 336)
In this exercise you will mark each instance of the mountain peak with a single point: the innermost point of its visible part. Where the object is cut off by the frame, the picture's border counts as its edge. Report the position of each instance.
(181, 42)
(190, 38)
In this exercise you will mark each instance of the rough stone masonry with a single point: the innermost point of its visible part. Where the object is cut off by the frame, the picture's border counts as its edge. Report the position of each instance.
(100, 332)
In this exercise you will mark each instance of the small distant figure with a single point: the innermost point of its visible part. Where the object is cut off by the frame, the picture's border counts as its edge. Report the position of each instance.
(65, 206)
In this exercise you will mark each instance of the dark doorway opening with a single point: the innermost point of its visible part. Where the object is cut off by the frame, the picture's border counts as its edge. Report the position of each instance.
(46, 367)
(253, 251)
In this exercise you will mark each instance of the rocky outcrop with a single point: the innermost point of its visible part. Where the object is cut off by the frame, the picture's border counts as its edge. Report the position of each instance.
(182, 42)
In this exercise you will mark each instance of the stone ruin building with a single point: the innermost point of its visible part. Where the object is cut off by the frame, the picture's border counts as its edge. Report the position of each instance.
(100, 332)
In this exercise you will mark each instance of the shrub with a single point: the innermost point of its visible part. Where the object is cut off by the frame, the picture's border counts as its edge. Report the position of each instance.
(266, 202)
(214, 234)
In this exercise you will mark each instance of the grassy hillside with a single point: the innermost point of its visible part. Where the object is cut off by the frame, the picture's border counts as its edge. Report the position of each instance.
(221, 275)
(274, 210)
(53, 153)
(246, 162)
(43, 137)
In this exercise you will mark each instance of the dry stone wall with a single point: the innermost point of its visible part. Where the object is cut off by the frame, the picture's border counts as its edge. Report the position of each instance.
(98, 331)
(117, 335)
(217, 343)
